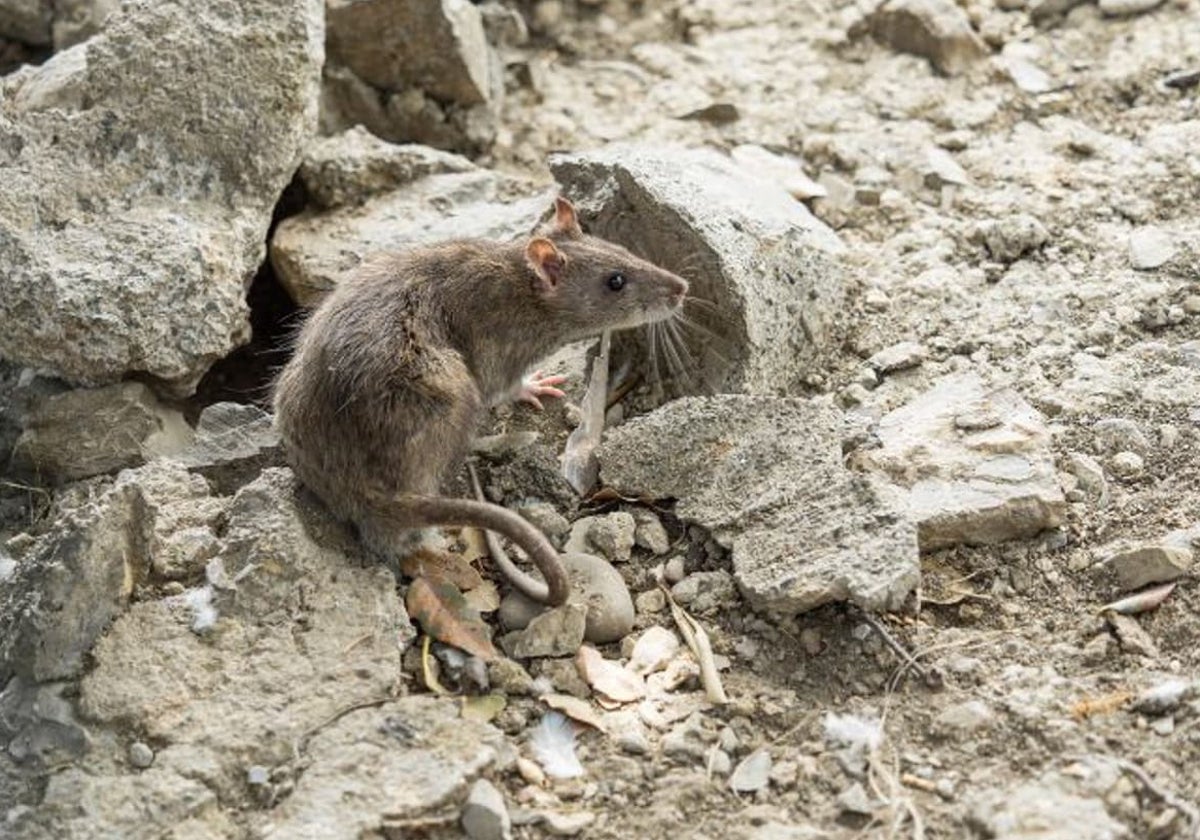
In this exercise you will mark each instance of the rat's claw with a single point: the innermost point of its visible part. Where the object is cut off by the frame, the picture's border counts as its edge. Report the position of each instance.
(540, 385)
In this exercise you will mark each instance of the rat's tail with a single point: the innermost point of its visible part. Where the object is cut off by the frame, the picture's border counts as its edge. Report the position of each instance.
(415, 511)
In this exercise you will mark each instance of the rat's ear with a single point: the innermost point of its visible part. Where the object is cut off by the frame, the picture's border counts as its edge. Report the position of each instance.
(546, 261)
(565, 220)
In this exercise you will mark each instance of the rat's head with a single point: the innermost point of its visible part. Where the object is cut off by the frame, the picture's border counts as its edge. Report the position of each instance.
(592, 285)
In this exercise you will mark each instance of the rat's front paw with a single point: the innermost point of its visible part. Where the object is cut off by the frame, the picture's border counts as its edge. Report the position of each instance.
(539, 385)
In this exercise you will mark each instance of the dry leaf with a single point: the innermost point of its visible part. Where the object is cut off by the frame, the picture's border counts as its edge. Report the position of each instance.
(1142, 601)
(474, 545)
(578, 710)
(608, 678)
(443, 613)
(440, 566)
(483, 707)
(484, 598)
(697, 640)
(1104, 705)
(653, 650)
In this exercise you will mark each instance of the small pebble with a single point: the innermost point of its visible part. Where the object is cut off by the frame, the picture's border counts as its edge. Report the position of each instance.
(1149, 246)
(141, 756)
(258, 775)
(673, 571)
(902, 356)
(753, 772)
(485, 816)
(651, 601)
(1127, 465)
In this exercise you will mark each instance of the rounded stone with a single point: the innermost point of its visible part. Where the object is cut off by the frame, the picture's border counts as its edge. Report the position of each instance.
(594, 584)
(140, 755)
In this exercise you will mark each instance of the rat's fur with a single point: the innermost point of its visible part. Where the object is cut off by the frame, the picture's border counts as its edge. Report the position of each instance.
(394, 370)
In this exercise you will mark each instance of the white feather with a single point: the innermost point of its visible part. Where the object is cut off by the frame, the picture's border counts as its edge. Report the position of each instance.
(553, 744)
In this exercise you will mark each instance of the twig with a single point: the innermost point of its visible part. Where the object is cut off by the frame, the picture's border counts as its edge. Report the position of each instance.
(580, 465)
(932, 678)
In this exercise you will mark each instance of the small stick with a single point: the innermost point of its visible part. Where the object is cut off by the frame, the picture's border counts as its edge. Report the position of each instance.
(580, 465)
(931, 678)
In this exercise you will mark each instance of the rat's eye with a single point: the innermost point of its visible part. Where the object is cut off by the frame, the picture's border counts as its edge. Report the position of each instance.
(616, 282)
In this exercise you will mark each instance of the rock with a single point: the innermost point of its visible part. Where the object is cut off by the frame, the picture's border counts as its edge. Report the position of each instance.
(1090, 475)
(78, 434)
(484, 816)
(1128, 8)
(650, 533)
(140, 755)
(1012, 237)
(781, 171)
(308, 633)
(233, 444)
(509, 677)
(1161, 562)
(1165, 697)
(766, 264)
(934, 29)
(1043, 809)
(76, 579)
(1127, 465)
(673, 569)
(312, 250)
(1149, 246)
(970, 486)
(855, 800)
(753, 772)
(939, 169)
(1024, 72)
(650, 601)
(1114, 434)
(594, 584)
(964, 718)
(561, 824)
(1043, 11)
(353, 166)
(902, 356)
(546, 518)
(27, 21)
(612, 535)
(378, 766)
(765, 476)
(706, 592)
(38, 726)
(556, 632)
(106, 200)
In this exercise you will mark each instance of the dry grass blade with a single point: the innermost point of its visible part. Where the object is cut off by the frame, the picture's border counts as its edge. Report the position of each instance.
(444, 614)
(580, 466)
(428, 673)
(697, 641)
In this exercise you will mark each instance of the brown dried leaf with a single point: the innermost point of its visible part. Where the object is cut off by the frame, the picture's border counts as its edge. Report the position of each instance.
(608, 678)
(441, 566)
(444, 614)
(484, 598)
(574, 708)
(474, 545)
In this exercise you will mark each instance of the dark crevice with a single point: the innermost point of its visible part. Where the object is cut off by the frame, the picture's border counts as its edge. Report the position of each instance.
(245, 375)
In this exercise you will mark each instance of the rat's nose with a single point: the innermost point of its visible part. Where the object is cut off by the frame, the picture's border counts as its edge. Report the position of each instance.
(677, 289)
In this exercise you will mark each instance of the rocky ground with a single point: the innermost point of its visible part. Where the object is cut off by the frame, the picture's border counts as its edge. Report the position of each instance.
(922, 464)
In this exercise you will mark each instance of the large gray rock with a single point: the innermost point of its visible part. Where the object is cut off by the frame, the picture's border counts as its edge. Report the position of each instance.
(312, 251)
(935, 29)
(765, 475)
(375, 769)
(747, 247)
(71, 584)
(412, 70)
(138, 189)
(233, 443)
(976, 464)
(78, 434)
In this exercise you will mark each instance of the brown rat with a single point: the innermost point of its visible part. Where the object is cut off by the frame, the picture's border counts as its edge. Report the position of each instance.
(395, 368)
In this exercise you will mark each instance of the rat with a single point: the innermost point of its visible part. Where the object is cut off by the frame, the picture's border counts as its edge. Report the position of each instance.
(396, 367)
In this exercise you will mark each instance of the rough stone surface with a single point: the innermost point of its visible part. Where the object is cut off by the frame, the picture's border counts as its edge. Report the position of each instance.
(765, 475)
(985, 483)
(130, 227)
(311, 251)
(412, 70)
(302, 632)
(78, 434)
(1150, 247)
(75, 580)
(934, 29)
(233, 443)
(355, 165)
(556, 632)
(1038, 810)
(408, 757)
(484, 816)
(1157, 562)
(766, 263)
(1014, 236)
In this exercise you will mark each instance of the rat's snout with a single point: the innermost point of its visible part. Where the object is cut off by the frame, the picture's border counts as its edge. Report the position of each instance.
(677, 288)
